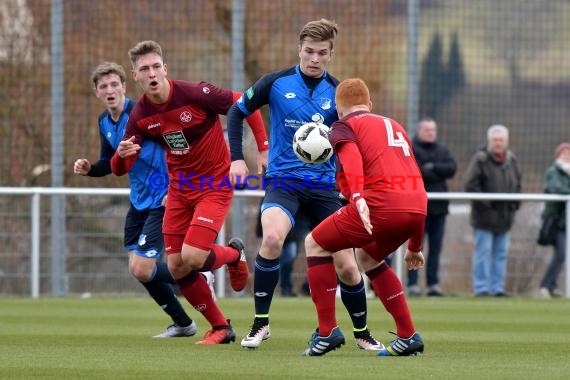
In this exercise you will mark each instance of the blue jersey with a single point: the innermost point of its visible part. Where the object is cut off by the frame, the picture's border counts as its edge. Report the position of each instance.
(148, 177)
(294, 99)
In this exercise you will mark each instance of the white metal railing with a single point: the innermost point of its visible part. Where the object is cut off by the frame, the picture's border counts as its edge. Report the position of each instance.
(35, 194)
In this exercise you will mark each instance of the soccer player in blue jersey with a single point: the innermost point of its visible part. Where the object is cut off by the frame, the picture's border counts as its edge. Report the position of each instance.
(143, 224)
(295, 96)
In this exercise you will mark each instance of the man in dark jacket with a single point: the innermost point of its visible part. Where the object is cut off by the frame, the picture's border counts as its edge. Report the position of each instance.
(437, 166)
(493, 169)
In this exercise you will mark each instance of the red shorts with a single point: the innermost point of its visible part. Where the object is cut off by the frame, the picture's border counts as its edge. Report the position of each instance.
(194, 222)
(344, 229)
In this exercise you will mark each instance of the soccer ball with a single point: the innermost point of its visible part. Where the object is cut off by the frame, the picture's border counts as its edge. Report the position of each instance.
(311, 143)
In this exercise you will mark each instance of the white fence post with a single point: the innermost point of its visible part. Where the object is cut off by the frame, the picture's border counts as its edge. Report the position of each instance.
(567, 293)
(35, 244)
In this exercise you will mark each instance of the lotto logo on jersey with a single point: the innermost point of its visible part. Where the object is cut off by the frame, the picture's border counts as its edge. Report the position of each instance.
(151, 253)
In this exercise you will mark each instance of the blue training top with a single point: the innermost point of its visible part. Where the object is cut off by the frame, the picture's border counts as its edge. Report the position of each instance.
(150, 163)
(294, 99)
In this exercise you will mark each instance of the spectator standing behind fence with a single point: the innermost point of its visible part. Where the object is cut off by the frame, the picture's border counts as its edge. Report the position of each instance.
(556, 181)
(143, 224)
(437, 166)
(493, 169)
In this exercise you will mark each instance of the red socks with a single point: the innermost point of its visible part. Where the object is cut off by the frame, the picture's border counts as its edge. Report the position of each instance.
(323, 283)
(390, 291)
(196, 290)
(218, 256)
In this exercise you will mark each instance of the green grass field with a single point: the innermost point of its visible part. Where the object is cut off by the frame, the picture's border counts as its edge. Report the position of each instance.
(109, 338)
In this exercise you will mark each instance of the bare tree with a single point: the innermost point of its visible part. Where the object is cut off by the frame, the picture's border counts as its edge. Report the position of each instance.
(518, 31)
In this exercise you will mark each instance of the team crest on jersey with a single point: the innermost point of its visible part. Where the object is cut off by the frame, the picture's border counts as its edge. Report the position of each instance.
(185, 117)
(205, 90)
(325, 103)
(109, 134)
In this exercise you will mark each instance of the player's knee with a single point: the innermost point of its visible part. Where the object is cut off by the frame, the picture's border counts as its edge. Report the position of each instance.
(311, 245)
(176, 266)
(272, 242)
(366, 262)
(347, 270)
(350, 276)
(140, 272)
(193, 258)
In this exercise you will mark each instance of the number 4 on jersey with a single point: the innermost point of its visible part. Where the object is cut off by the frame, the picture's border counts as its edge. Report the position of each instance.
(399, 142)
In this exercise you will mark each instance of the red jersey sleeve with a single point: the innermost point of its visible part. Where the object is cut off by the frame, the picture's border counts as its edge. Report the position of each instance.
(340, 132)
(121, 166)
(255, 122)
(351, 159)
(216, 99)
(416, 240)
(351, 173)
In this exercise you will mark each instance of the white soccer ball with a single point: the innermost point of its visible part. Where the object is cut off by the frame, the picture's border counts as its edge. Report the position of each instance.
(311, 143)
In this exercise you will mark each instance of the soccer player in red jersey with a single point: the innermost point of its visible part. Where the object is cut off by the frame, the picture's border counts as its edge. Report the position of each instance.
(183, 118)
(388, 205)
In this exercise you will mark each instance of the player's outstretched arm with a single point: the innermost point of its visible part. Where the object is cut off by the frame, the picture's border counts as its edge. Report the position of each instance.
(364, 213)
(238, 171)
(81, 166)
(125, 156)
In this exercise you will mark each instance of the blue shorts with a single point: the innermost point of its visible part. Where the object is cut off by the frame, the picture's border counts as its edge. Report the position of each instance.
(143, 232)
(317, 204)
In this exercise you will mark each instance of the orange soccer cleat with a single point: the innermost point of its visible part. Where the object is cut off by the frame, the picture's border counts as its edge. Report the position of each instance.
(219, 335)
(238, 271)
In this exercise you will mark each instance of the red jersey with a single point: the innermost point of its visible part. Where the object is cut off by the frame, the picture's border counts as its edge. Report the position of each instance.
(189, 129)
(391, 179)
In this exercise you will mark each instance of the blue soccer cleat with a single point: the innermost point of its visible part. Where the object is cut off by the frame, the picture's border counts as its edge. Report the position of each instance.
(319, 345)
(404, 347)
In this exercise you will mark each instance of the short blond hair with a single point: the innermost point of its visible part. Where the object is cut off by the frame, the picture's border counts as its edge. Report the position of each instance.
(143, 48)
(107, 68)
(352, 92)
(319, 30)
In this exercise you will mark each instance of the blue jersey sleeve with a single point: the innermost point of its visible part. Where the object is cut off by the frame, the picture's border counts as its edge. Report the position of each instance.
(235, 132)
(102, 167)
(107, 151)
(257, 95)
